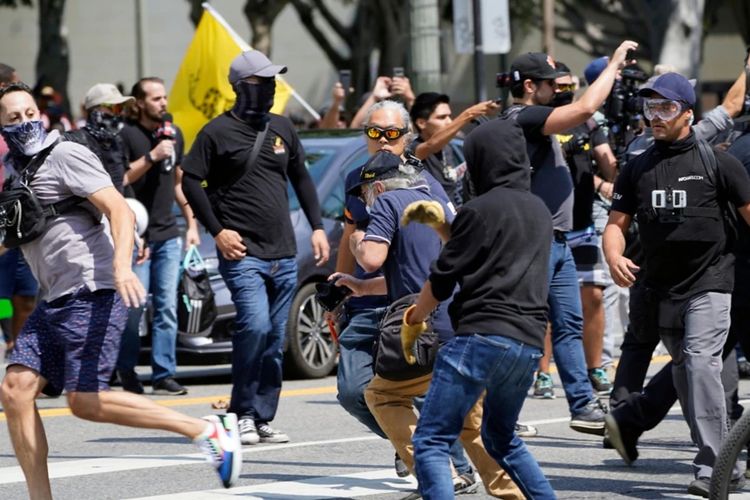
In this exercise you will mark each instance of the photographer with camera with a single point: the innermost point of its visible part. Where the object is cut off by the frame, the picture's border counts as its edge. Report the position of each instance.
(590, 158)
(680, 190)
(533, 88)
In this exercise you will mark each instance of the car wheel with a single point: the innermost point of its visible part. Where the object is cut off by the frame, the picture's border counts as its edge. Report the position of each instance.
(311, 347)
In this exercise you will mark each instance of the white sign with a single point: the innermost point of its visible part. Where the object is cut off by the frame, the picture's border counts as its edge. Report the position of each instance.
(495, 26)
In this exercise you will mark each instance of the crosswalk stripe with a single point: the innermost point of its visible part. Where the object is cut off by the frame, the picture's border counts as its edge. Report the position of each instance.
(358, 484)
(71, 468)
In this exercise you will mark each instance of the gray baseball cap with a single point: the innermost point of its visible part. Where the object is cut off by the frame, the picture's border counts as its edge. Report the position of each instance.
(253, 63)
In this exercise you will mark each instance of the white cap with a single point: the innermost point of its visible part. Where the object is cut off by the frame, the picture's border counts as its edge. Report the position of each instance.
(104, 93)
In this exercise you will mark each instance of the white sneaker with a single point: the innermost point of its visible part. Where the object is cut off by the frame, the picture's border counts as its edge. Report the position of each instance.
(222, 448)
(248, 432)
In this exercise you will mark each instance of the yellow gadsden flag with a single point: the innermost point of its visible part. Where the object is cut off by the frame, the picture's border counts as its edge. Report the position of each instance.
(201, 89)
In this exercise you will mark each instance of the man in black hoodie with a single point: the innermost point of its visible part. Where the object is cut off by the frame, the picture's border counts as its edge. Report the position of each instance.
(498, 254)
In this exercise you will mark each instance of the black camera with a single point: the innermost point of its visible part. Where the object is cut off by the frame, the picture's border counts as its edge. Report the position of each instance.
(623, 106)
(331, 296)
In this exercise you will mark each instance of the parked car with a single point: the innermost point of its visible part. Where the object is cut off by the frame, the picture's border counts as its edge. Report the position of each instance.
(309, 350)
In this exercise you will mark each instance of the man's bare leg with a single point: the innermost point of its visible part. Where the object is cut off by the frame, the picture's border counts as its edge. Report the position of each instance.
(18, 393)
(132, 410)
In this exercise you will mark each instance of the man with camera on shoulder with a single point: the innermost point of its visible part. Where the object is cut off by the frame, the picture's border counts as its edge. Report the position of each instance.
(533, 88)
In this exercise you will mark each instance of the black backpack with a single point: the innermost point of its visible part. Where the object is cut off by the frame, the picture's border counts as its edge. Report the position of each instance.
(23, 218)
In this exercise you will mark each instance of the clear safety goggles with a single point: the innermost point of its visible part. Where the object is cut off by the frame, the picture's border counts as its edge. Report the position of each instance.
(664, 109)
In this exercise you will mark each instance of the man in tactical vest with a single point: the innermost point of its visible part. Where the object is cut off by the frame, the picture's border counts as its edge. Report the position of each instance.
(679, 191)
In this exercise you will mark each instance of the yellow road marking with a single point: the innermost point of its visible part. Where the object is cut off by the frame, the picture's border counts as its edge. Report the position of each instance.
(330, 389)
(65, 412)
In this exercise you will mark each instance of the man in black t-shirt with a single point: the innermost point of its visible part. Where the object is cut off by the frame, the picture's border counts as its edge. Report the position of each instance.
(432, 118)
(246, 210)
(533, 88)
(679, 200)
(154, 148)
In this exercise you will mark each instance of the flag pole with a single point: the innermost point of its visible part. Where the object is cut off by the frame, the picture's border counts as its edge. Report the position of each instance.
(246, 46)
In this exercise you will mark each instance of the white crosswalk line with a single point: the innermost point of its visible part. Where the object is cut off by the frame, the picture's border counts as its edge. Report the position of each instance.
(72, 468)
(376, 482)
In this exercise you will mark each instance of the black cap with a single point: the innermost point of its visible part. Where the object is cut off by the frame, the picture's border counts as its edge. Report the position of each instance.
(536, 66)
(382, 165)
(425, 103)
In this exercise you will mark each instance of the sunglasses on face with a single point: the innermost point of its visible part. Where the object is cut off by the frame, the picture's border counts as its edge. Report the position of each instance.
(664, 109)
(115, 109)
(566, 87)
(391, 134)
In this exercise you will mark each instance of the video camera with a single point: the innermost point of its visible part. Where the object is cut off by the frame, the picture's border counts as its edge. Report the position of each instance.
(623, 106)
(330, 296)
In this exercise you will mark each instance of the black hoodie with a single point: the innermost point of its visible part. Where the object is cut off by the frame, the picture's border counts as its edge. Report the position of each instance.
(500, 243)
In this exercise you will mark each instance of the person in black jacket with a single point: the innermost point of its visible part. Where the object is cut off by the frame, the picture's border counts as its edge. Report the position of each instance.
(498, 254)
(246, 210)
(679, 199)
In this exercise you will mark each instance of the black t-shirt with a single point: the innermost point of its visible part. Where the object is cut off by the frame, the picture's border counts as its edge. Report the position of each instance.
(551, 180)
(254, 204)
(111, 152)
(155, 189)
(442, 165)
(684, 255)
(577, 145)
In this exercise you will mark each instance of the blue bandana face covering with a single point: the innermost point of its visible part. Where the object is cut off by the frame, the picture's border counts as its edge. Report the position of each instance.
(24, 139)
(254, 100)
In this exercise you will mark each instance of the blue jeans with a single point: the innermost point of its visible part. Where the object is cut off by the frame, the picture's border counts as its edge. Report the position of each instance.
(262, 292)
(567, 327)
(465, 367)
(355, 371)
(160, 276)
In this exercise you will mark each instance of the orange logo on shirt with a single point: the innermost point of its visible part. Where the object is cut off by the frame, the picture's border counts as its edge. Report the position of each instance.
(278, 146)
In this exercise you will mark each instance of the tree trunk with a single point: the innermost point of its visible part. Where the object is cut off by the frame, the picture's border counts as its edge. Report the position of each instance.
(53, 63)
(681, 47)
(261, 15)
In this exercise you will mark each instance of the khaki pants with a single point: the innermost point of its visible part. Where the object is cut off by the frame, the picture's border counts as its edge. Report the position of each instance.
(391, 402)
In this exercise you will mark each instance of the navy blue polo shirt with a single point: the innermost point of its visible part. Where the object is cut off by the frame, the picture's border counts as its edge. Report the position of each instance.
(411, 249)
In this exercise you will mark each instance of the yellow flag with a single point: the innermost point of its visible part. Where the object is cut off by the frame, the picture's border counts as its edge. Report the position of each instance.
(201, 89)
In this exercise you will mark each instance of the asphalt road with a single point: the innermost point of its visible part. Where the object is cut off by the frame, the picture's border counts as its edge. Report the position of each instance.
(330, 454)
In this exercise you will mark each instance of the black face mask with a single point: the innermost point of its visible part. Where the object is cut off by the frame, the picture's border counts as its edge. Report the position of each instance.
(254, 100)
(562, 99)
(103, 124)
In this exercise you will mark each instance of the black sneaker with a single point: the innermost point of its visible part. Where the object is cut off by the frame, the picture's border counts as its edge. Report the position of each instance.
(621, 440)
(129, 381)
(168, 387)
(268, 434)
(591, 419)
(401, 469)
(464, 484)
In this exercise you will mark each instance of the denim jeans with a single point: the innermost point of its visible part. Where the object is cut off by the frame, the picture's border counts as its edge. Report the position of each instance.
(465, 367)
(262, 292)
(159, 276)
(355, 371)
(567, 327)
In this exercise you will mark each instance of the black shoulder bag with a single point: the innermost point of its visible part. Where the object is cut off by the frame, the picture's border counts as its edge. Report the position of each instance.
(23, 218)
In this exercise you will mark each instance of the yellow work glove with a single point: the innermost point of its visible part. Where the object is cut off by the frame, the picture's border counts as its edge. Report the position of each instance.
(430, 213)
(409, 335)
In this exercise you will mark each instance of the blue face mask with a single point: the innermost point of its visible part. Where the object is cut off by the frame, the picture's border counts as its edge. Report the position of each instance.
(24, 139)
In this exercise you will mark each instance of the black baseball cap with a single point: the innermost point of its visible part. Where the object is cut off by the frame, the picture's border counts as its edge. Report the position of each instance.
(381, 165)
(424, 104)
(535, 66)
